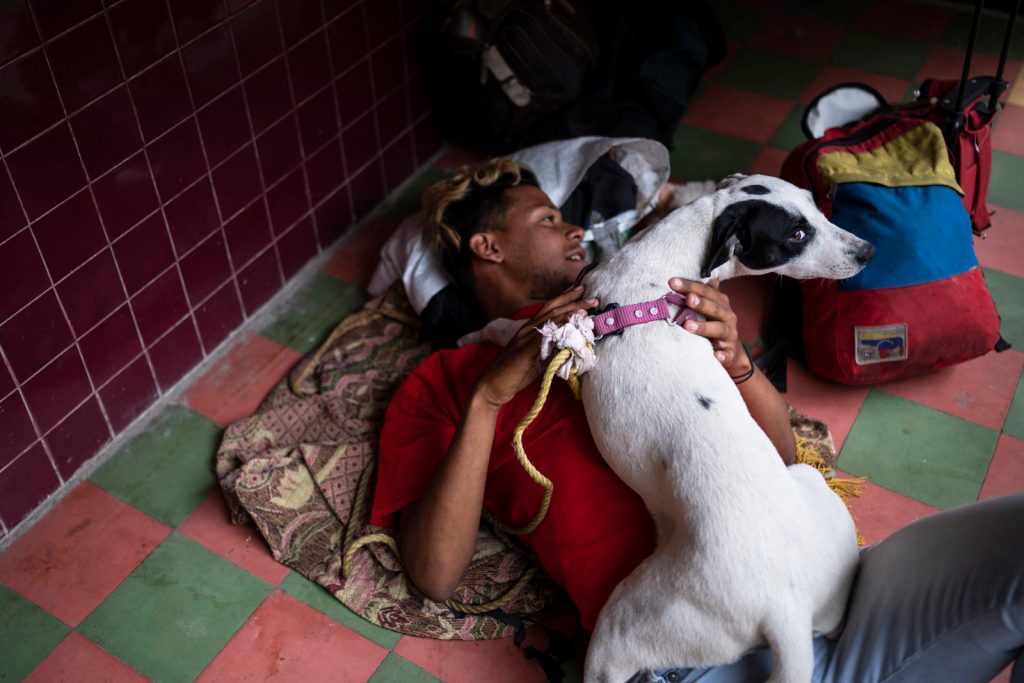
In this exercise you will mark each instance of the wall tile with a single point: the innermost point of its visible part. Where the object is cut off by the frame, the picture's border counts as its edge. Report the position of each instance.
(64, 248)
(46, 171)
(392, 114)
(23, 276)
(78, 437)
(333, 217)
(237, 181)
(92, 292)
(333, 8)
(224, 125)
(399, 161)
(367, 189)
(383, 20)
(256, 35)
(35, 335)
(388, 65)
(210, 65)
(318, 121)
(192, 216)
(258, 281)
(56, 389)
(106, 131)
(193, 17)
(309, 65)
(360, 142)
(142, 32)
(278, 150)
(143, 253)
(299, 18)
(175, 164)
(247, 234)
(161, 96)
(428, 140)
(268, 95)
(347, 39)
(297, 246)
(84, 63)
(177, 159)
(288, 201)
(355, 93)
(56, 16)
(176, 354)
(16, 430)
(218, 316)
(12, 218)
(110, 346)
(237, 5)
(325, 171)
(19, 31)
(205, 269)
(28, 100)
(419, 99)
(25, 484)
(129, 393)
(125, 195)
(159, 306)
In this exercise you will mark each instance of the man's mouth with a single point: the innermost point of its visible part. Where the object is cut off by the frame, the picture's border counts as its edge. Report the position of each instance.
(577, 255)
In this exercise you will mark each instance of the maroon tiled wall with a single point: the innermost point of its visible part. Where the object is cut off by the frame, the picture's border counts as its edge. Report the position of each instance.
(167, 165)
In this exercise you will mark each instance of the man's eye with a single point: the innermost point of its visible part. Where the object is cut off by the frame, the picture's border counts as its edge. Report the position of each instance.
(798, 235)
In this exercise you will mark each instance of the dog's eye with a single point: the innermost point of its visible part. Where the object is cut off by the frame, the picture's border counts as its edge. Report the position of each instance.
(798, 235)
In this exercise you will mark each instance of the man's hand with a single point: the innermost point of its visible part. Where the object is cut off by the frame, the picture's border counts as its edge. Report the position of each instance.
(518, 365)
(720, 324)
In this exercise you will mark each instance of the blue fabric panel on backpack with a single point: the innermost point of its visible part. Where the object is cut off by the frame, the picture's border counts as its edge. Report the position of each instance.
(921, 234)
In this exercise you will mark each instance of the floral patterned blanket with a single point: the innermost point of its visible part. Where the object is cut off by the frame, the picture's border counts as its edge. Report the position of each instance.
(301, 469)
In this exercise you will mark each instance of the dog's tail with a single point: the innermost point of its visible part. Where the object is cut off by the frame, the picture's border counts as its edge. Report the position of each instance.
(790, 637)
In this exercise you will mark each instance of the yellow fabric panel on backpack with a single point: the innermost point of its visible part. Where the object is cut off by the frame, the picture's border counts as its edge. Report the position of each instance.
(917, 157)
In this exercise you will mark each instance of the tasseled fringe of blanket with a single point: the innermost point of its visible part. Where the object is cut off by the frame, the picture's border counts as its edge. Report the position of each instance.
(845, 488)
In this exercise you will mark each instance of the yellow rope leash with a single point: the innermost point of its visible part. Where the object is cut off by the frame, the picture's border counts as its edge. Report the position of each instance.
(517, 445)
(845, 488)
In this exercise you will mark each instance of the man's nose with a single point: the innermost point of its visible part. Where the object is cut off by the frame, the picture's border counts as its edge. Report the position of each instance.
(574, 232)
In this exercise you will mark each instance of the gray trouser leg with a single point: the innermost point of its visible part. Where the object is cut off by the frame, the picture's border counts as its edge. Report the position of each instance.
(940, 600)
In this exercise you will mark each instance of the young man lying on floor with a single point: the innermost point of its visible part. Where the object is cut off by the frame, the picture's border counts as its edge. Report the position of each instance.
(942, 599)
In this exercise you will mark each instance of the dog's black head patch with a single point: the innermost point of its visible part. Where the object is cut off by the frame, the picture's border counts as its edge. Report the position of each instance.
(755, 189)
(762, 235)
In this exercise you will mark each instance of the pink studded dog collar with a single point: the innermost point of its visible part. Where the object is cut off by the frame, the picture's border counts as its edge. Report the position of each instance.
(617, 318)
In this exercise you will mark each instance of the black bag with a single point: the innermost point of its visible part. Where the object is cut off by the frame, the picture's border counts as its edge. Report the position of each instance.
(499, 66)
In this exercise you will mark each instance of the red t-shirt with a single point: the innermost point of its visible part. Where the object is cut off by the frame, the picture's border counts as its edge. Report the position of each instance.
(597, 530)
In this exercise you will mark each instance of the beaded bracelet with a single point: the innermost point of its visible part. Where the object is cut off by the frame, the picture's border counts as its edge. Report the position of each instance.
(740, 379)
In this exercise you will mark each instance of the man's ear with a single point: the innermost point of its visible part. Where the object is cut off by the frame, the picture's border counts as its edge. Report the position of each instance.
(484, 246)
(724, 239)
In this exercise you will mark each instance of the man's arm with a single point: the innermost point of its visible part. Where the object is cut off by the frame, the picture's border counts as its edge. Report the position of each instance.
(766, 406)
(437, 535)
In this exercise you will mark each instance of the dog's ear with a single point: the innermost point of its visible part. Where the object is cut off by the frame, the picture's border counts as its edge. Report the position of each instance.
(730, 180)
(725, 240)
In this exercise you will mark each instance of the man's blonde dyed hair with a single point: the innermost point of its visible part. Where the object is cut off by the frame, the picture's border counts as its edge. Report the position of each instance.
(439, 196)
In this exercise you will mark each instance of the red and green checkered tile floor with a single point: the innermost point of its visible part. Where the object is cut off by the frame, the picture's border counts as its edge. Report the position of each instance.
(136, 574)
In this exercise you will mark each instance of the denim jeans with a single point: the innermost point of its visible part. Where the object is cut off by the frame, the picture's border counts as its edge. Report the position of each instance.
(940, 600)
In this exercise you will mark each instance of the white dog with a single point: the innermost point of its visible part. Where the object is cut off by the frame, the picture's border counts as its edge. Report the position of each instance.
(749, 552)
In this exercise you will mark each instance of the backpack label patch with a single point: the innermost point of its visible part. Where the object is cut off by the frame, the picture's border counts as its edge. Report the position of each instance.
(880, 344)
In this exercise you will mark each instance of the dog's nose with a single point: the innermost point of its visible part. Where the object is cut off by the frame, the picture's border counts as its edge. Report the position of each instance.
(865, 253)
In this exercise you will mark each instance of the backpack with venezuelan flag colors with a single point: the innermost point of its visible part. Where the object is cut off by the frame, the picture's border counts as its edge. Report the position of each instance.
(921, 304)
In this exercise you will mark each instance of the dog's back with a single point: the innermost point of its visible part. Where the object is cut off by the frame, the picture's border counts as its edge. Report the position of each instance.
(750, 552)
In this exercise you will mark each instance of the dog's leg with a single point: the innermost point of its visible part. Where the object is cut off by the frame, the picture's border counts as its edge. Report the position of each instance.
(788, 633)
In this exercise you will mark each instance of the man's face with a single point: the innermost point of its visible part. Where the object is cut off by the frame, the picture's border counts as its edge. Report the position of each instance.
(542, 251)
